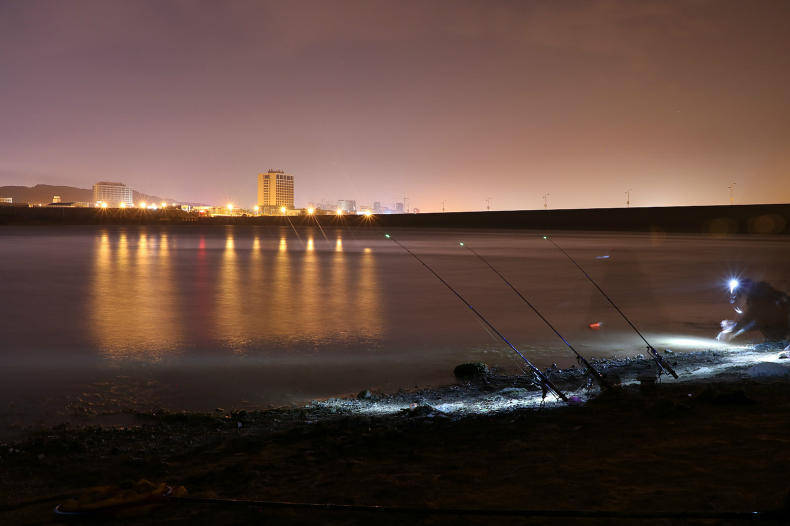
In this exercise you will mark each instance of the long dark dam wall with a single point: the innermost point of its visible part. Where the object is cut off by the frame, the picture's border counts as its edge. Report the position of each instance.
(740, 219)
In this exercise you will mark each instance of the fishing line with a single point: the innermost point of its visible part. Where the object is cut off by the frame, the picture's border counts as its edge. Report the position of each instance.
(663, 365)
(543, 379)
(320, 227)
(764, 515)
(295, 232)
(603, 383)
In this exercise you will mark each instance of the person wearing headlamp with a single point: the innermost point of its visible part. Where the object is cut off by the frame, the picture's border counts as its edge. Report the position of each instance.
(760, 307)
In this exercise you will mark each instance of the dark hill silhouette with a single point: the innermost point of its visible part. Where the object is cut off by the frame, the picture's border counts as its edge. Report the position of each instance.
(42, 193)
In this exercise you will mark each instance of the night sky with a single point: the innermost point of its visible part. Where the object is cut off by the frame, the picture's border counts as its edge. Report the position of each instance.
(455, 101)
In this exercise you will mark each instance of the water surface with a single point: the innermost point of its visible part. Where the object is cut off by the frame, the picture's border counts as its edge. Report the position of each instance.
(199, 317)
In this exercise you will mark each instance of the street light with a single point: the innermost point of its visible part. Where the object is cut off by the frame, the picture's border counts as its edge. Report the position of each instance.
(282, 209)
(339, 212)
(103, 204)
(310, 211)
(230, 207)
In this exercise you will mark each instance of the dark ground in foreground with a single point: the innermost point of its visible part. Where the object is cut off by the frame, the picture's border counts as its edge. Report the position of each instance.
(692, 446)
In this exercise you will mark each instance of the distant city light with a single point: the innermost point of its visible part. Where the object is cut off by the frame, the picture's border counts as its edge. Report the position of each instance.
(310, 210)
(103, 205)
(123, 205)
(283, 209)
(142, 204)
(339, 212)
(230, 207)
(367, 213)
(164, 205)
(256, 208)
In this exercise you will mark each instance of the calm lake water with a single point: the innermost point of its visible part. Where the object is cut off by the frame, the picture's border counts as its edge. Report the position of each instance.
(198, 317)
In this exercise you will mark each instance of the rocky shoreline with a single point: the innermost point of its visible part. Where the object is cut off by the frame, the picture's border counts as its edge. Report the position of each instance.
(485, 442)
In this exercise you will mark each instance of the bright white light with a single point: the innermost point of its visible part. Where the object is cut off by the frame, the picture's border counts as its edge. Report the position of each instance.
(230, 207)
(123, 205)
(367, 213)
(282, 209)
(104, 205)
(310, 210)
(339, 212)
(701, 344)
(733, 284)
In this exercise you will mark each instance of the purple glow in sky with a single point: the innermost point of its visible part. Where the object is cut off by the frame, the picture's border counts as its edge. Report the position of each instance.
(368, 100)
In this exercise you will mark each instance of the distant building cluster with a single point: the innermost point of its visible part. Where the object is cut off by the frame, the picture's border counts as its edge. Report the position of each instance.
(275, 197)
(350, 206)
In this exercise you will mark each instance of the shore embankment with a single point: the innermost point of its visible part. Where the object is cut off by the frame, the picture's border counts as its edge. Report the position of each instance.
(718, 220)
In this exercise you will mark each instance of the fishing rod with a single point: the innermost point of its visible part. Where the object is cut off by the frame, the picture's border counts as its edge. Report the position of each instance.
(598, 377)
(662, 364)
(544, 380)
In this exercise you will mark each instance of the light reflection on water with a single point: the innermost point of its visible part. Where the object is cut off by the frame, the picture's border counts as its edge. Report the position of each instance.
(134, 306)
(245, 296)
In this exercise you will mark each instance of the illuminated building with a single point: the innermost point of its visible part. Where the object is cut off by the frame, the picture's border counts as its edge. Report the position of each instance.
(275, 190)
(113, 194)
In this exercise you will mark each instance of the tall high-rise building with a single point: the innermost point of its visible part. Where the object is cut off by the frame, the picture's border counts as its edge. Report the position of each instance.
(113, 194)
(275, 190)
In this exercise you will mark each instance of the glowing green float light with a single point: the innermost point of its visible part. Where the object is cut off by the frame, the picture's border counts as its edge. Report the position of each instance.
(461, 243)
(387, 236)
(545, 237)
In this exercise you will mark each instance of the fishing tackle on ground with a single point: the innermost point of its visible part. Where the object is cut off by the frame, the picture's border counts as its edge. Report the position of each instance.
(582, 361)
(544, 381)
(662, 364)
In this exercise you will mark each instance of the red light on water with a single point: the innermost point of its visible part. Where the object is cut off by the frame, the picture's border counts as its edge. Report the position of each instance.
(595, 326)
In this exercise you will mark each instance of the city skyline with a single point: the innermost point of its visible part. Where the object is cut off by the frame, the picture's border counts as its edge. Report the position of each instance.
(450, 103)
